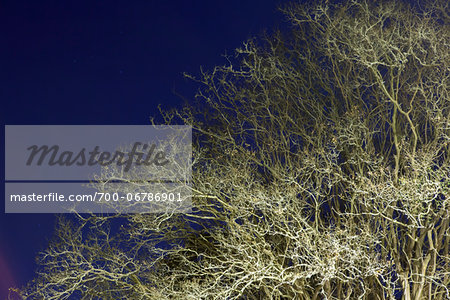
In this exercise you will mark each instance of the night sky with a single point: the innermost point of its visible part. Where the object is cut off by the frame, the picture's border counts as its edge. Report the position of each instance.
(104, 62)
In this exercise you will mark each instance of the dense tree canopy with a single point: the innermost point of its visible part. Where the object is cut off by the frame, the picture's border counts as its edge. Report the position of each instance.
(321, 170)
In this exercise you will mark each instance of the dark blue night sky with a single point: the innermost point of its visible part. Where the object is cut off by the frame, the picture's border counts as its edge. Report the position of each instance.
(104, 62)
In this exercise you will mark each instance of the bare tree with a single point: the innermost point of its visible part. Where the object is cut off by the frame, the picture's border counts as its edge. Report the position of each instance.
(321, 171)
